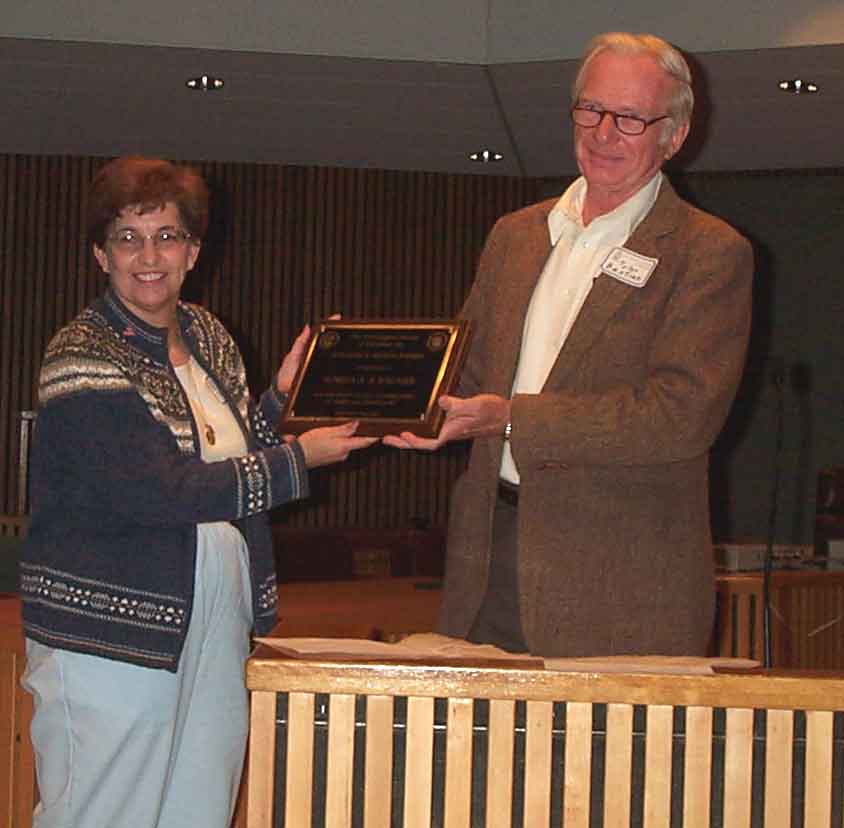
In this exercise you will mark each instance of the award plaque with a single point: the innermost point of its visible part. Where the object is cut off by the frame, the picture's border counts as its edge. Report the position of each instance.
(387, 375)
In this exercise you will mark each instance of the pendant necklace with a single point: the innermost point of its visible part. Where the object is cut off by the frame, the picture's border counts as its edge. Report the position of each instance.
(208, 429)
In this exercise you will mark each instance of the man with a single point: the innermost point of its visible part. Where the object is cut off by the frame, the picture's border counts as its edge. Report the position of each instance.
(610, 328)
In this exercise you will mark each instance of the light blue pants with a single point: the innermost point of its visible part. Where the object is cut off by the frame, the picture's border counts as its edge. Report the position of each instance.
(122, 746)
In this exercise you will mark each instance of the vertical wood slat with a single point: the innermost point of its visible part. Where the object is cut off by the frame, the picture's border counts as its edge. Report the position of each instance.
(818, 778)
(658, 765)
(578, 768)
(618, 765)
(419, 757)
(341, 752)
(697, 767)
(458, 764)
(779, 734)
(262, 736)
(740, 633)
(738, 766)
(725, 627)
(8, 307)
(802, 602)
(745, 624)
(378, 770)
(538, 762)
(298, 801)
(499, 769)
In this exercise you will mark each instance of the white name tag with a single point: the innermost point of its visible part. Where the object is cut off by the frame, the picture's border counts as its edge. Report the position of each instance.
(633, 269)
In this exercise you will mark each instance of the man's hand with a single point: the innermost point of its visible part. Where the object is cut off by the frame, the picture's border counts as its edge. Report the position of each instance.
(483, 415)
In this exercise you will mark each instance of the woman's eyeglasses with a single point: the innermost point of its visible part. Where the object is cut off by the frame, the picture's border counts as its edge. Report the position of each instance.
(132, 241)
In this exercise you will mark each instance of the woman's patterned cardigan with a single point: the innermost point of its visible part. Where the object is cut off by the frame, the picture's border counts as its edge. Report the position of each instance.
(118, 486)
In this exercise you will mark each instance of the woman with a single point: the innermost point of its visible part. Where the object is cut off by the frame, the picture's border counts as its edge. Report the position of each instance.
(149, 558)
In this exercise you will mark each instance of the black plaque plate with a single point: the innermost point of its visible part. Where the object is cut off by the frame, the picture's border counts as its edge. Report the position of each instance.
(386, 374)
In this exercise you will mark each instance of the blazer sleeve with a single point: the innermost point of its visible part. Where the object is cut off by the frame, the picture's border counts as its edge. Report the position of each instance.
(674, 410)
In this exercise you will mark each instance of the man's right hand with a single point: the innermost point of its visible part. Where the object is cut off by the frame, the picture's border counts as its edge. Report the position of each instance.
(483, 415)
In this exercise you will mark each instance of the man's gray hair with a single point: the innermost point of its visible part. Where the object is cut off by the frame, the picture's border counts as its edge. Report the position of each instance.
(682, 98)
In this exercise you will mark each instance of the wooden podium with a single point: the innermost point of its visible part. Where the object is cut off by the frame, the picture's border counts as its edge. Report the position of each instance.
(413, 745)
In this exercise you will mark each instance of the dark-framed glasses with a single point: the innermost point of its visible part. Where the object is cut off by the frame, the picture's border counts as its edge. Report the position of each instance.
(164, 239)
(590, 117)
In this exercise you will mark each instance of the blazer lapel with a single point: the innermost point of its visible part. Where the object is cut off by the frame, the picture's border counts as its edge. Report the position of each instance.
(608, 294)
(526, 265)
(524, 261)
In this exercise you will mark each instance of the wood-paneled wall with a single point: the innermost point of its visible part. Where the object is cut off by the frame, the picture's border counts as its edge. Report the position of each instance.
(287, 245)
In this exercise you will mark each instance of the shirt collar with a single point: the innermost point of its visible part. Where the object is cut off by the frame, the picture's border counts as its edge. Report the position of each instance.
(568, 210)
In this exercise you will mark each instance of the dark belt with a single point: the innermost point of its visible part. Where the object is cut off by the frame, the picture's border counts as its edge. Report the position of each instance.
(508, 492)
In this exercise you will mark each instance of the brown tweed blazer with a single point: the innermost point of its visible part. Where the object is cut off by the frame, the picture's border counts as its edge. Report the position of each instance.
(614, 549)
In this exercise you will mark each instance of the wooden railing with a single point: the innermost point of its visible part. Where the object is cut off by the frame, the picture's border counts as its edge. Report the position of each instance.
(341, 744)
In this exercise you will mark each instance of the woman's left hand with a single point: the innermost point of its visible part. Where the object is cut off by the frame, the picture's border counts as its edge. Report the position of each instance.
(290, 364)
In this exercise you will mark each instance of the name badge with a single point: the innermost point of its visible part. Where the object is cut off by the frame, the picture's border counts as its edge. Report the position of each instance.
(633, 269)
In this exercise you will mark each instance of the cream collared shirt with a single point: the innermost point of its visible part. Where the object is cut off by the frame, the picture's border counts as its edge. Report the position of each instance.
(210, 409)
(577, 253)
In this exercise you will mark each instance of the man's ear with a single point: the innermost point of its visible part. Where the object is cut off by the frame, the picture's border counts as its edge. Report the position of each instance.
(102, 258)
(675, 140)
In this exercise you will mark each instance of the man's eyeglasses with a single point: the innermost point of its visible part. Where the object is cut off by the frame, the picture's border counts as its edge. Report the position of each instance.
(132, 241)
(626, 124)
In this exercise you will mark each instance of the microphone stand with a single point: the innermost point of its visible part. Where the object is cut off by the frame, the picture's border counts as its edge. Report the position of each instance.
(772, 520)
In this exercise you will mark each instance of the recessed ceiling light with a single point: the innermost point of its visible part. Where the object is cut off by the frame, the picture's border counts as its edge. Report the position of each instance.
(485, 156)
(205, 83)
(798, 86)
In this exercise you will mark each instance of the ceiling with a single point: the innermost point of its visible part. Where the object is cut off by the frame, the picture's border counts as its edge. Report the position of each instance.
(104, 99)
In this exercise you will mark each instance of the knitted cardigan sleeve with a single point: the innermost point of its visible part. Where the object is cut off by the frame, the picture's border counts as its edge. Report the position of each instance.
(264, 416)
(111, 454)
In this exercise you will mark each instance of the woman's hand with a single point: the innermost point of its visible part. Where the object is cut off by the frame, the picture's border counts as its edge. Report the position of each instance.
(331, 444)
(290, 364)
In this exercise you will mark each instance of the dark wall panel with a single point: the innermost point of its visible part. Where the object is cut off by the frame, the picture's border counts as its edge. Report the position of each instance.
(287, 245)
(290, 245)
